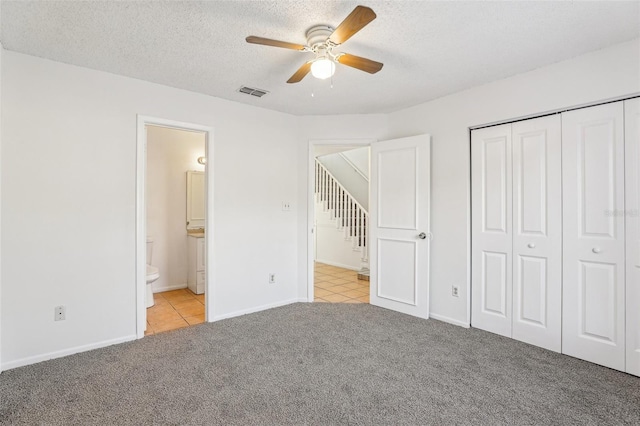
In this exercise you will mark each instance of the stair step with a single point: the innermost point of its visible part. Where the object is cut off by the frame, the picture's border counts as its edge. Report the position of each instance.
(364, 276)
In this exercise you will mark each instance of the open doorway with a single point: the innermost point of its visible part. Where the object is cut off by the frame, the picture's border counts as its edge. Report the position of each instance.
(397, 232)
(175, 196)
(173, 209)
(340, 252)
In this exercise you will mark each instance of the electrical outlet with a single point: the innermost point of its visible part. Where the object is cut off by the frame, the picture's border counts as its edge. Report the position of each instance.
(59, 313)
(455, 291)
(286, 206)
(272, 278)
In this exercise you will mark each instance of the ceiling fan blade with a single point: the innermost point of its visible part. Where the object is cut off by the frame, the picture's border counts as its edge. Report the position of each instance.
(275, 43)
(301, 73)
(353, 23)
(363, 64)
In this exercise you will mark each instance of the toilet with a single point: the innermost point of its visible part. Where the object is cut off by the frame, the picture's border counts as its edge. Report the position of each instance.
(153, 273)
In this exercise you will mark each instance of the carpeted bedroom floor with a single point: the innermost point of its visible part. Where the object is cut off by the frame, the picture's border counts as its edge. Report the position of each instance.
(313, 364)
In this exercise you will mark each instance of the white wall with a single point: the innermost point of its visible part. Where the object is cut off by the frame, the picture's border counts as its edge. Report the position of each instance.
(170, 154)
(599, 75)
(331, 247)
(68, 203)
(344, 172)
(359, 157)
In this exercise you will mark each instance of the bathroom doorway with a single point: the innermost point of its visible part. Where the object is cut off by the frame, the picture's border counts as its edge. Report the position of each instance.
(172, 237)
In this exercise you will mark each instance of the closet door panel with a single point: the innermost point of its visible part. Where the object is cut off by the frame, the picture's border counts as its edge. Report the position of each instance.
(593, 326)
(537, 232)
(632, 184)
(491, 229)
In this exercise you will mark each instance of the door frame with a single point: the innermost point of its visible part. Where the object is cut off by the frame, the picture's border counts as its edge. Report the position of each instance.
(311, 213)
(141, 213)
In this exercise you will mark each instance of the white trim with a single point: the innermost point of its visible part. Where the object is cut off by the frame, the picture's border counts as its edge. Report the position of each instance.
(258, 308)
(339, 265)
(65, 352)
(353, 166)
(556, 111)
(169, 288)
(141, 231)
(311, 211)
(448, 320)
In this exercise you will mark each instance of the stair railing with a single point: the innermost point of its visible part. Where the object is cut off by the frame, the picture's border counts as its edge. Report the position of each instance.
(350, 216)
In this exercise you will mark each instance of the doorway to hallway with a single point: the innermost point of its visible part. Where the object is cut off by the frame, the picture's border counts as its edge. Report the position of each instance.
(339, 285)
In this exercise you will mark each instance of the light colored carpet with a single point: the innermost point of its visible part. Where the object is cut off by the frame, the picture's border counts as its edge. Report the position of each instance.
(319, 364)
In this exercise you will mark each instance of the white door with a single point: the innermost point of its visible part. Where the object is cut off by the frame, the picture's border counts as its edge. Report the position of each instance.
(593, 323)
(537, 232)
(399, 231)
(632, 183)
(491, 239)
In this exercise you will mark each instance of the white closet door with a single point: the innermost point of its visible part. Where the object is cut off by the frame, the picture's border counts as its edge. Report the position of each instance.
(491, 247)
(537, 232)
(632, 183)
(593, 326)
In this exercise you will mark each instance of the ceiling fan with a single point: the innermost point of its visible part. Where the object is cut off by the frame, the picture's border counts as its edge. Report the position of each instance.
(321, 40)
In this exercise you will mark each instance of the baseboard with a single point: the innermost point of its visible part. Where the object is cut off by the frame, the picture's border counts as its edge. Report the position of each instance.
(257, 309)
(65, 352)
(170, 287)
(449, 320)
(339, 265)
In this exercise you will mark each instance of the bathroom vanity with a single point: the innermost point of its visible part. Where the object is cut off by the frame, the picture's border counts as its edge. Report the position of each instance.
(196, 259)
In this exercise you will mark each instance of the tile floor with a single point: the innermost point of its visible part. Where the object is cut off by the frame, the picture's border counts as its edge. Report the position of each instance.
(339, 285)
(174, 309)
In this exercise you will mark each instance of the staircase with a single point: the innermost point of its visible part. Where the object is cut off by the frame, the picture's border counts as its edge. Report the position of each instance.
(350, 217)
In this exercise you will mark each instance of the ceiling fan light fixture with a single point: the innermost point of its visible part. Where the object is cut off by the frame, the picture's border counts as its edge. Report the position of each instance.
(323, 68)
(321, 40)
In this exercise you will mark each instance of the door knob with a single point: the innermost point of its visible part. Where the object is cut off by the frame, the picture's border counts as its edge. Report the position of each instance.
(596, 250)
(531, 245)
(422, 235)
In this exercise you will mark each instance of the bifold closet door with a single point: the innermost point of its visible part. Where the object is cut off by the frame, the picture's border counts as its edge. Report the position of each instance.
(632, 184)
(537, 232)
(593, 318)
(517, 231)
(492, 239)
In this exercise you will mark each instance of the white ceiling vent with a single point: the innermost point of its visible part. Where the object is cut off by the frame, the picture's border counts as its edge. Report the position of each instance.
(253, 92)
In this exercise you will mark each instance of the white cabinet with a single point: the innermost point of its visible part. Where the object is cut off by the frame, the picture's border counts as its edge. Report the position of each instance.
(196, 274)
(516, 231)
(632, 183)
(593, 325)
(195, 199)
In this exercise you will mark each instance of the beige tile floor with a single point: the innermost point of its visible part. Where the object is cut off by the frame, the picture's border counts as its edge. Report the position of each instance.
(174, 309)
(339, 285)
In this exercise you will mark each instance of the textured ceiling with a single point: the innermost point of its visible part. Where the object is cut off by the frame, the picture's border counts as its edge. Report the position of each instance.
(430, 49)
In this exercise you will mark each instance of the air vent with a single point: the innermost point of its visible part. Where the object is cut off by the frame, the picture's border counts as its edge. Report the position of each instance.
(253, 92)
